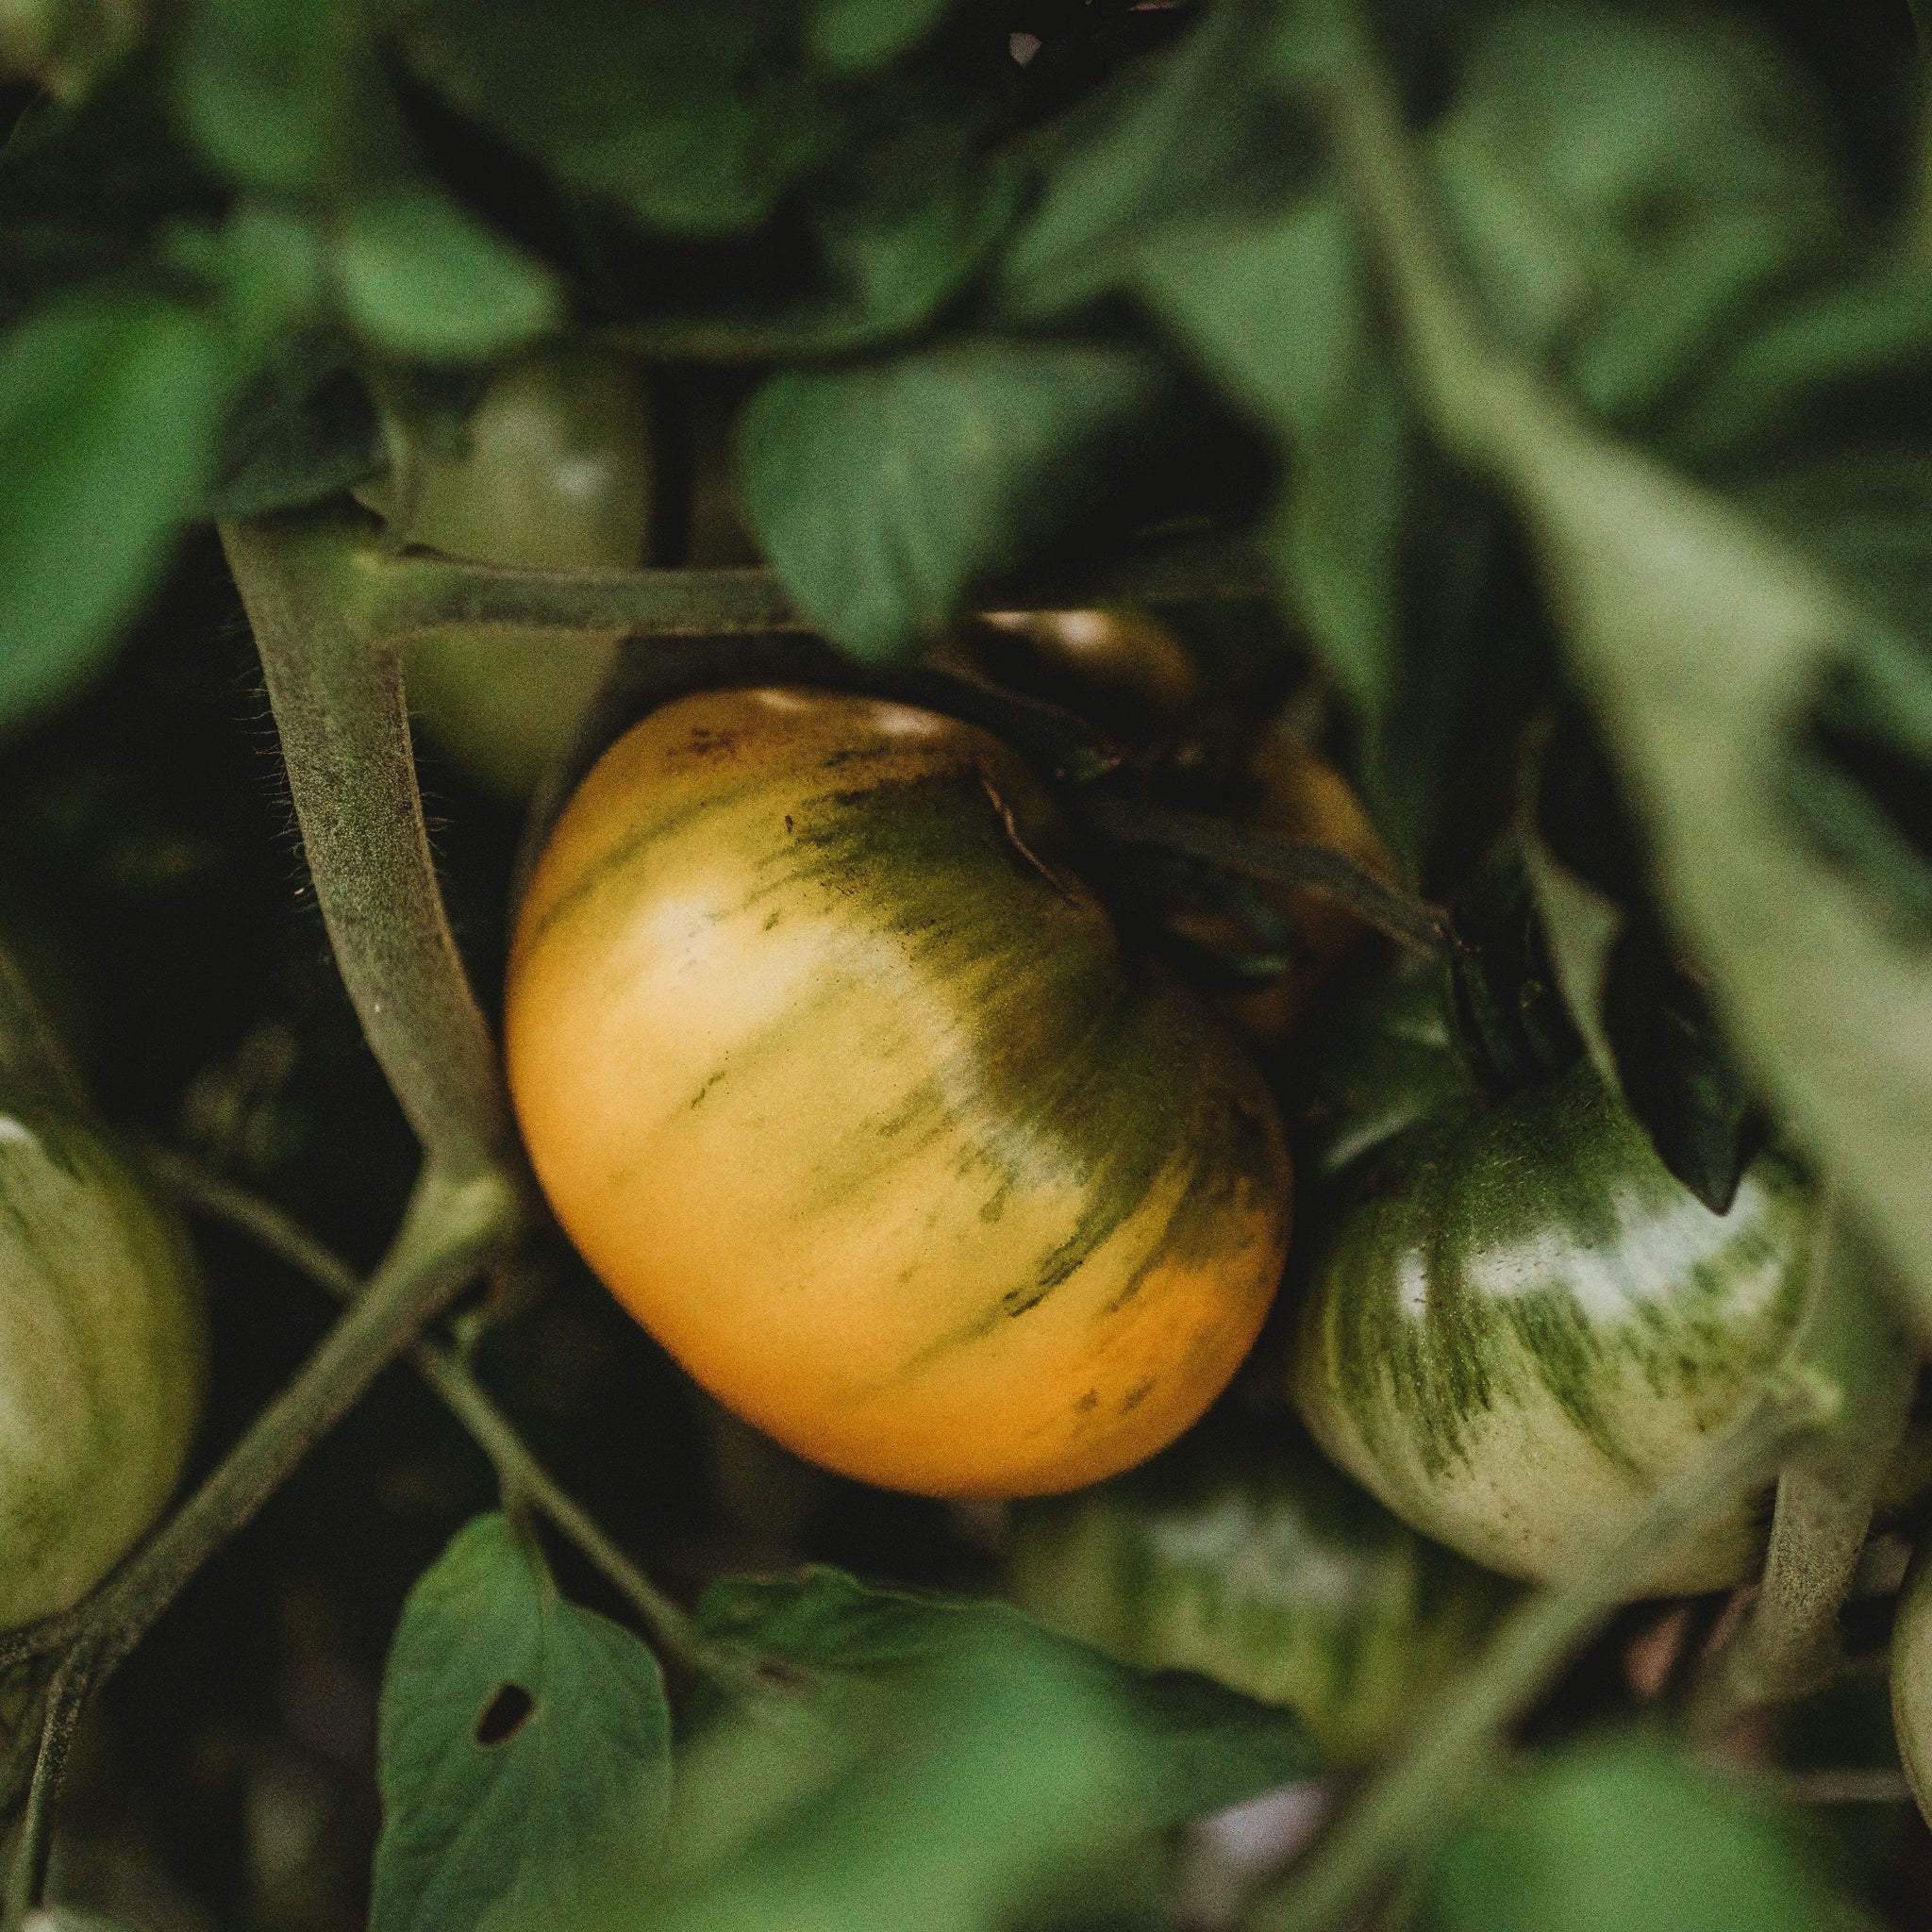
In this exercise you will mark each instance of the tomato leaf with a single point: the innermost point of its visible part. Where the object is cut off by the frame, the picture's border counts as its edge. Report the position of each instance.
(109, 408)
(423, 279)
(1198, 131)
(523, 1741)
(1621, 1832)
(303, 430)
(859, 34)
(883, 490)
(1177, 1744)
(695, 119)
(276, 93)
(1677, 1071)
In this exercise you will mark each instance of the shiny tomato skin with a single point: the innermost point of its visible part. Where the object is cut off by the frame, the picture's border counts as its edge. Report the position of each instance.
(1515, 1324)
(841, 1081)
(101, 1358)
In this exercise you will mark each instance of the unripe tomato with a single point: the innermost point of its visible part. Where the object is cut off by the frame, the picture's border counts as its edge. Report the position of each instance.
(1242, 1554)
(1911, 1676)
(557, 474)
(843, 1084)
(1516, 1324)
(102, 1361)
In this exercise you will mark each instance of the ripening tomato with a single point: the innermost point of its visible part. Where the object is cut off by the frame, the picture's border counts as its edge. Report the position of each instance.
(842, 1081)
(556, 474)
(102, 1360)
(1243, 1554)
(1515, 1322)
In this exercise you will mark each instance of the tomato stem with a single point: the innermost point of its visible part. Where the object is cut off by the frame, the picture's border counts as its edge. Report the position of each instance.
(1826, 1492)
(446, 1372)
(1215, 841)
(338, 702)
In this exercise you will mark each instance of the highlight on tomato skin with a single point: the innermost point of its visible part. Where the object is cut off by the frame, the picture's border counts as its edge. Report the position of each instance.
(1513, 1323)
(844, 1084)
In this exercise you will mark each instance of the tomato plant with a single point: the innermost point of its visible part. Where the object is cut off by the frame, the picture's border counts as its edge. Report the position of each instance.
(989, 544)
(843, 1082)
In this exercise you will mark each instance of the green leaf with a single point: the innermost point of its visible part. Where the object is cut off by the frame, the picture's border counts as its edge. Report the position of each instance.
(274, 92)
(1177, 1744)
(1622, 1833)
(524, 1742)
(854, 35)
(424, 280)
(303, 431)
(1281, 314)
(882, 491)
(85, 188)
(1393, 566)
(109, 413)
(1197, 133)
(1627, 191)
(921, 216)
(696, 119)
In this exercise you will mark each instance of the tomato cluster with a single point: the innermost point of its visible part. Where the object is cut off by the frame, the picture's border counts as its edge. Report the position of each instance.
(932, 1154)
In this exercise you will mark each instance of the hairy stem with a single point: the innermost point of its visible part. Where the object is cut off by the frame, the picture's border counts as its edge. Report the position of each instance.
(450, 1378)
(338, 700)
(1415, 1800)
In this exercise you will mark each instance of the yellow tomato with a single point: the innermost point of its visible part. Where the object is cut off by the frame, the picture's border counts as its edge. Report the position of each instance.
(844, 1084)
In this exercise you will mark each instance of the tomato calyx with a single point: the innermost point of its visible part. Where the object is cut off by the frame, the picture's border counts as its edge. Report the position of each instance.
(1147, 856)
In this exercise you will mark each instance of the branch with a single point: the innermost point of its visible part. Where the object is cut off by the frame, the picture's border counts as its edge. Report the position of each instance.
(388, 595)
(1412, 1802)
(338, 700)
(450, 1378)
(452, 1229)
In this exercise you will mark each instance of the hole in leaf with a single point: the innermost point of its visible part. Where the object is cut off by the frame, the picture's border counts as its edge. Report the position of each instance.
(505, 1715)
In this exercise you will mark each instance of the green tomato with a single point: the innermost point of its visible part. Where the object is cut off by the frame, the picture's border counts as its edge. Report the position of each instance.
(1911, 1676)
(102, 1360)
(1241, 1555)
(556, 473)
(1515, 1325)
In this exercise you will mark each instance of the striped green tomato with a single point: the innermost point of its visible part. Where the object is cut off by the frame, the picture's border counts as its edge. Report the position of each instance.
(1242, 1554)
(846, 1085)
(1515, 1324)
(102, 1360)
